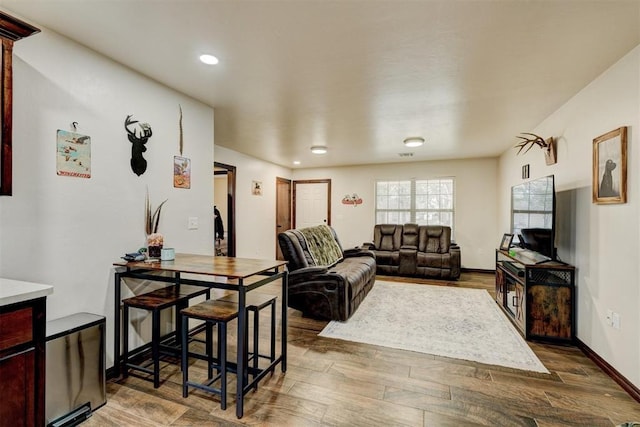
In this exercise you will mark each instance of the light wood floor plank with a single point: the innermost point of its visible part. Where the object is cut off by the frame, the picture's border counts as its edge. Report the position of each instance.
(372, 412)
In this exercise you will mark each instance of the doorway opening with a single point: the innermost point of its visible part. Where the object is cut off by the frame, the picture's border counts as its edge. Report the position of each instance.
(283, 210)
(224, 201)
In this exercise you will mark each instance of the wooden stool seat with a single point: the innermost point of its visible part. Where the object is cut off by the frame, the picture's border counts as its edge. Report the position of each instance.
(213, 309)
(171, 296)
(255, 302)
(165, 297)
(212, 312)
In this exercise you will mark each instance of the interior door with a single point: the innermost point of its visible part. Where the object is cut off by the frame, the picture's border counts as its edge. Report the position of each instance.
(283, 210)
(311, 202)
(225, 202)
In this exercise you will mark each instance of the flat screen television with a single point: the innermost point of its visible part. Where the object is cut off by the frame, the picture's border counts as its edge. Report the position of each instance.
(533, 210)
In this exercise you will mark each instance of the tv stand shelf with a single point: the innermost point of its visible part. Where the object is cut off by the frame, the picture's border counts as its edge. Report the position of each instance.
(538, 297)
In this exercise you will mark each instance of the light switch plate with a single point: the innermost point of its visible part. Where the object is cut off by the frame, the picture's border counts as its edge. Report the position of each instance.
(615, 319)
(192, 223)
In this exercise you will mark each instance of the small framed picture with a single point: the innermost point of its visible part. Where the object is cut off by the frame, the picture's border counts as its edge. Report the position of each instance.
(181, 172)
(256, 188)
(505, 244)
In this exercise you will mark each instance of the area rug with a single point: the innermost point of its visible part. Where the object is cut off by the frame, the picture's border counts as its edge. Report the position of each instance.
(444, 321)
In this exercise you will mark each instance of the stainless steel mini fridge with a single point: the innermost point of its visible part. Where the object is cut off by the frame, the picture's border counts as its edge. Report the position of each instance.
(75, 376)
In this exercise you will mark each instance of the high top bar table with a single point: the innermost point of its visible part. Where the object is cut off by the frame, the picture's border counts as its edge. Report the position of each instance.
(237, 269)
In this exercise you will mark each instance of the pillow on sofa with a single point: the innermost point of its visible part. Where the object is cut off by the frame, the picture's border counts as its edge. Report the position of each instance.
(323, 248)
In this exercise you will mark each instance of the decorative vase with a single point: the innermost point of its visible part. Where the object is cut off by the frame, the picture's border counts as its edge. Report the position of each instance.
(154, 251)
(155, 242)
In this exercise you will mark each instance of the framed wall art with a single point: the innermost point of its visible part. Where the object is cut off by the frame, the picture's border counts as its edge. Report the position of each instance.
(181, 172)
(73, 154)
(610, 167)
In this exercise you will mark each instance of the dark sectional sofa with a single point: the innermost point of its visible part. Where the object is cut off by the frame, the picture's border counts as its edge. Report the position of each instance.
(415, 250)
(331, 292)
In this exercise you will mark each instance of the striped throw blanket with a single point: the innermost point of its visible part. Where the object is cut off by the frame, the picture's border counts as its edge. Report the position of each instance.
(323, 248)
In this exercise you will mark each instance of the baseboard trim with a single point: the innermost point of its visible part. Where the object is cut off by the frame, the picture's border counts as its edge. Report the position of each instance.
(633, 391)
(477, 270)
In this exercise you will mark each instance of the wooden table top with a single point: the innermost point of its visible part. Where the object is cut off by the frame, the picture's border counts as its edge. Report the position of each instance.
(238, 268)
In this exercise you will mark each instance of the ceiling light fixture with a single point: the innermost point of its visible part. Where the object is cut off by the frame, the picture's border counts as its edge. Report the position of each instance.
(209, 59)
(296, 162)
(318, 149)
(413, 141)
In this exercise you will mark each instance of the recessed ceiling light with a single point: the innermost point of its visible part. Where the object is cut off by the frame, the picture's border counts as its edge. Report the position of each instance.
(414, 141)
(209, 59)
(318, 149)
(296, 162)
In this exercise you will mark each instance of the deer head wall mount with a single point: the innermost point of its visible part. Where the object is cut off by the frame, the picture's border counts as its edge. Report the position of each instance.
(138, 138)
(532, 140)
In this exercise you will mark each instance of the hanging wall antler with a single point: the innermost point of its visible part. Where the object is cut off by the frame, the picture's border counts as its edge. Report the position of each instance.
(532, 140)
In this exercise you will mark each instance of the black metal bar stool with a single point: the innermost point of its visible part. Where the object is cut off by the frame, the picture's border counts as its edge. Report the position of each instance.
(255, 302)
(213, 313)
(177, 296)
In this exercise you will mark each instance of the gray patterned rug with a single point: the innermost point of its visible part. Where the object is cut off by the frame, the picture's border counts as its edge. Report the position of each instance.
(452, 322)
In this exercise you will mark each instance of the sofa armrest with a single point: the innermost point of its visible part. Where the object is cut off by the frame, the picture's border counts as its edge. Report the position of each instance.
(369, 246)
(455, 260)
(307, 271)
(357, 252)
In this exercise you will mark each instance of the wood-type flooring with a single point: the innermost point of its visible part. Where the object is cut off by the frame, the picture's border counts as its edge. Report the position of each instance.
(338, 383)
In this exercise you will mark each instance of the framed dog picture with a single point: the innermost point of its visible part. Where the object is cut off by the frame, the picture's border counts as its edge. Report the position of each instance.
(610, 167)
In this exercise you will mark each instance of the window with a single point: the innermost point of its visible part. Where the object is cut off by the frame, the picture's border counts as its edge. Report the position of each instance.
(419, 201)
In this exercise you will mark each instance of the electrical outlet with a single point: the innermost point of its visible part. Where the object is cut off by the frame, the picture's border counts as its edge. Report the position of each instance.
(609, 318)
(615, 321)
(192, 223)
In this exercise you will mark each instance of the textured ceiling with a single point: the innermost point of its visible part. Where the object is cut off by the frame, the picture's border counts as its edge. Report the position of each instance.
(358, 76)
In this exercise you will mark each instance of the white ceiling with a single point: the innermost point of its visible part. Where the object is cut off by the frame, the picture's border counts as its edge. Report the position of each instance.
(358, 76)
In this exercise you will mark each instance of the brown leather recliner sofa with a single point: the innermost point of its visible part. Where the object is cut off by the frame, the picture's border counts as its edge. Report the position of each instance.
(331, 292)
(415, 250)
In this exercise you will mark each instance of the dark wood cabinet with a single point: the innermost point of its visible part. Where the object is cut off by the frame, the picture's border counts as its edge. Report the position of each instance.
(22, 363)
(538, 297)
(11, 30)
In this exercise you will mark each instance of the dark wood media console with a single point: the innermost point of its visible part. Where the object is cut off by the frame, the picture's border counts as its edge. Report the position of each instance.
(539, 298)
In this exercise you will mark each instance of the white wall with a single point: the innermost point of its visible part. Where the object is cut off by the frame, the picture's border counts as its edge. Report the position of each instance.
(476, 201)
(255, 215)
(66, 231)
(602, 241)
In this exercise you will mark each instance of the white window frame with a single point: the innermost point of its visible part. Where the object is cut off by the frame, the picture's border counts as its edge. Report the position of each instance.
(411, 209)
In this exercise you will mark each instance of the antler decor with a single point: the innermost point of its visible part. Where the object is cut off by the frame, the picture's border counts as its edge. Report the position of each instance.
(532, 140)
(138, 141)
